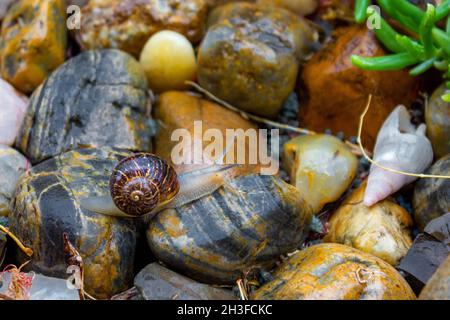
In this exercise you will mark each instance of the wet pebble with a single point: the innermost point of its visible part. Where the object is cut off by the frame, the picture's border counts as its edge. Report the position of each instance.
(99, 98)
(334, 92)
(432, 196)
(46, 205)
(300, 7)
(33, 42)
(179, 110)
(12, 166)
(156, 282)
(128, 24)
(250, 56)
(383, 230)
(334, 272)
(321, 167)
(437, 117)
(251, 221)
(438, 287)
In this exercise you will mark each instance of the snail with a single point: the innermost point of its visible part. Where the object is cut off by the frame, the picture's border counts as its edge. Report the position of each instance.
(144, 184)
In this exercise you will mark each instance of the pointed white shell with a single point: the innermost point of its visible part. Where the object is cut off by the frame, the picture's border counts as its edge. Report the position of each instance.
(399, 146)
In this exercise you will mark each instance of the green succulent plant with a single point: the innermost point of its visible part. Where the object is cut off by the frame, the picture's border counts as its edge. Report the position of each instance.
(428, 47)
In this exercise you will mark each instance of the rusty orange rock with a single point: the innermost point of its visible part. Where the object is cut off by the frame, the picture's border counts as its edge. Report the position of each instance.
(336, 92)
(33, 42)
(335, 272)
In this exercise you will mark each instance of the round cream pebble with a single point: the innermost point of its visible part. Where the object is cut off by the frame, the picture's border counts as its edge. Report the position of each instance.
(168, 59)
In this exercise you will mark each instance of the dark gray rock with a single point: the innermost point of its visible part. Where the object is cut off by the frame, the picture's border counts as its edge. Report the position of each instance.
(158, 283)
(99, 98)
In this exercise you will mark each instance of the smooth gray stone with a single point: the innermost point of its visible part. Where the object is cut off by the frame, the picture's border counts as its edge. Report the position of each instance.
(158, 283)
(12, 165)
(99, 98)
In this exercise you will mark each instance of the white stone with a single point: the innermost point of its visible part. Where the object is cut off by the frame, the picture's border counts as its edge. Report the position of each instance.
(43, 288)
(13, 106)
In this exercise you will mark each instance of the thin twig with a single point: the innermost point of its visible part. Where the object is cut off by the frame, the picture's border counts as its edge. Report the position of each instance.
(26, 250)
(353, 147)
(360, 128)
(242, 290)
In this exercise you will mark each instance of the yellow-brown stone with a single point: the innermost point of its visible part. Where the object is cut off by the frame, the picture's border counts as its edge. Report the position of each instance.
(382, 230)
(33, 42)
(250, 56)
(335, 272)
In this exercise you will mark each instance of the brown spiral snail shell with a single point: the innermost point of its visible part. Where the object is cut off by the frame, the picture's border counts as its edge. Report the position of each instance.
(142, 182)
(145, 184)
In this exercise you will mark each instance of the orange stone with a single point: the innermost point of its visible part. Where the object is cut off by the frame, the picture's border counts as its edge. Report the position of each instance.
(33, 42)
(335, 272)
(177, 110)
(336, 92)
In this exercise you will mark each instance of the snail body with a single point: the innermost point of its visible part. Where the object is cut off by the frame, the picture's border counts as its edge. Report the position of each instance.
(144, 184)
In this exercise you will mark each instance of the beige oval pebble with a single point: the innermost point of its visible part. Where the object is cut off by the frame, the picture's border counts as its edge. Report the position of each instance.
(168, 59)
(321, 167)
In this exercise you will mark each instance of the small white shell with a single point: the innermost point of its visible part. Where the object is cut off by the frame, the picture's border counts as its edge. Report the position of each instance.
(399, 146)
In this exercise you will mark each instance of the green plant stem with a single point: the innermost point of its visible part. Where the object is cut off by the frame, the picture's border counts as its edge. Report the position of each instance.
(421, 68)
(388, 36)
(390, 62)
(361, 10)
(425, 31)
(442, 10)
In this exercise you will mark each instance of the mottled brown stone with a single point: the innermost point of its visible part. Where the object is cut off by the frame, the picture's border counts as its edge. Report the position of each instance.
(128, 24)
(250, 56)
